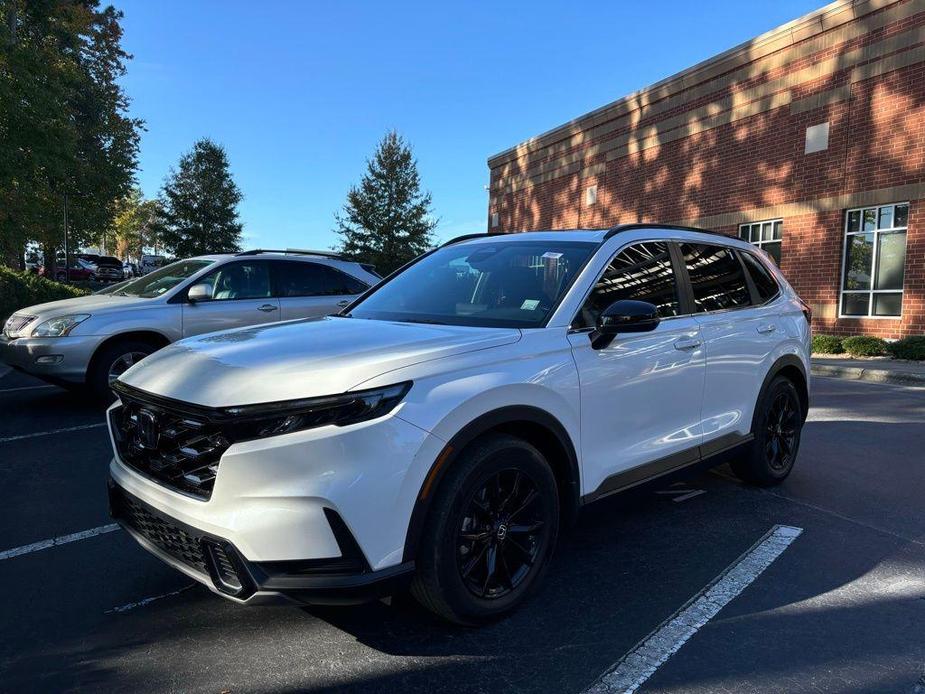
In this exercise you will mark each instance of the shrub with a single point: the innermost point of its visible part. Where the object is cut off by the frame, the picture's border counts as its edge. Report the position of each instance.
(864, 346)
(827, 344)
(21, 289)
(912, 347)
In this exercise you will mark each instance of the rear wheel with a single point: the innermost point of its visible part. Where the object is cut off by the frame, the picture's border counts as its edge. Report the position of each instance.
(778, 425)
(112, 361)
(491, 533)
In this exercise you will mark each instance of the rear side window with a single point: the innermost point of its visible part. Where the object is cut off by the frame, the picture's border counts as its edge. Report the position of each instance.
(716, 277)
(761, 278)
(641, 272)
(311, 279)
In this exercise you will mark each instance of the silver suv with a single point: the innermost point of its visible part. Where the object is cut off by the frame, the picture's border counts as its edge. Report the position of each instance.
(91, 340)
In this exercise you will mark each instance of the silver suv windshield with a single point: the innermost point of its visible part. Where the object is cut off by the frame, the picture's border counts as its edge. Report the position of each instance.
(166, 278)
(512, 284)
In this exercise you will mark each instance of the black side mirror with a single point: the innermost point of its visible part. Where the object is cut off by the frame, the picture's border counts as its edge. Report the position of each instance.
(624, 316)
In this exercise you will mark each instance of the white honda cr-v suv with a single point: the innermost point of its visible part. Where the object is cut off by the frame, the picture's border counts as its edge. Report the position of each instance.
(444, 427)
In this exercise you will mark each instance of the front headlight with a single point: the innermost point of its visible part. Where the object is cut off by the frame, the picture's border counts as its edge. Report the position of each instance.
(60, 326)
(273, 419)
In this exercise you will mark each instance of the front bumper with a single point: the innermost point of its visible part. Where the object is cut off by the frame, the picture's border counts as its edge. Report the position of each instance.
(217, 564)
(54, 359)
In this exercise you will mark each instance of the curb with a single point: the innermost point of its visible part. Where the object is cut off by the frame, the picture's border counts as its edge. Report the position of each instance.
(854, 373)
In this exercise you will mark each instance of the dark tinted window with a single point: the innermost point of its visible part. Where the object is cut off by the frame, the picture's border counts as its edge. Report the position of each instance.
(642, 272)
(762, 279)
(311, 279)
(716, 277)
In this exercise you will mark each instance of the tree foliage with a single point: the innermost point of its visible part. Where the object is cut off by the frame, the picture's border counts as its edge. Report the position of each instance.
(387, 218)
(64, 127)
(199, 204)
(134, 224)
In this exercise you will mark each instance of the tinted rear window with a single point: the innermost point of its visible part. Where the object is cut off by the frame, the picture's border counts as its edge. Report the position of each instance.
(716, 277)
(761, 277)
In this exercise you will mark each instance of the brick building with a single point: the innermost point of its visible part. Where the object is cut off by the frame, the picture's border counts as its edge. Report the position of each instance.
(808, 140)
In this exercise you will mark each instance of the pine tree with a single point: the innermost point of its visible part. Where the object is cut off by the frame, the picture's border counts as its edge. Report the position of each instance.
(198, 204)
(387, 219)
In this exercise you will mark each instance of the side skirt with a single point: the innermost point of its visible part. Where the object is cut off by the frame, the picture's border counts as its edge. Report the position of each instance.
(709, 455)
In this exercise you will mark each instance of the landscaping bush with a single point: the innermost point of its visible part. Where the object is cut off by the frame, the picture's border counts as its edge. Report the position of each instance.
(21, 289)
(864, 346)
(912, 347)
(827, 344)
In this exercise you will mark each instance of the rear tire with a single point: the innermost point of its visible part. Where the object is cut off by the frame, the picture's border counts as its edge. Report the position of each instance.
(491, 532)
(778, 425)
(113, 360)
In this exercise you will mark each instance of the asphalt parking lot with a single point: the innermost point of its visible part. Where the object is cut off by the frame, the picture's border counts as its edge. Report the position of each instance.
(842, 608)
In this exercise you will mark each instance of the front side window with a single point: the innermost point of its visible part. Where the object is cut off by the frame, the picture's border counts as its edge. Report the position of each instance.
(766, 235)
(641, 272)
(716, 277)
(512, 283)
(166, 278)
(875, 261)
(239, 280)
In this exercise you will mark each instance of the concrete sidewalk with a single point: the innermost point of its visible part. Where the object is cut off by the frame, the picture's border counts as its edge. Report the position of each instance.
(907, 373)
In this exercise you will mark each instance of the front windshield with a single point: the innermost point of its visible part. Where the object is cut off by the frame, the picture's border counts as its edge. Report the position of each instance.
(166, 278)
(513, 284)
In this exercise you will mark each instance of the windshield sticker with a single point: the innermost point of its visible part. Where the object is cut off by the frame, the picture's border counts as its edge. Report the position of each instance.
(529, 304)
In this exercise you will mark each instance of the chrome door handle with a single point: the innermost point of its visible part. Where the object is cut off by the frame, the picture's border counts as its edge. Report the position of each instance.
(767, 329)
(687, 343)
(266, 308)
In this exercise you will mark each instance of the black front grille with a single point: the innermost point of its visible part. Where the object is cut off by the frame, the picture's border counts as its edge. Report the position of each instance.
(174, 448)
(159, 531)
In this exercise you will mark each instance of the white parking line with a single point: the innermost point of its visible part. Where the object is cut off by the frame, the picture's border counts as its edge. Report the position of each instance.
(637, 666)
(148, 601)
(55, 541)
(13, 390)
(20, 437)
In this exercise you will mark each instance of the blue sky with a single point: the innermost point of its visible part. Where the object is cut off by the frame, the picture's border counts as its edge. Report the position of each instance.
(299, 93)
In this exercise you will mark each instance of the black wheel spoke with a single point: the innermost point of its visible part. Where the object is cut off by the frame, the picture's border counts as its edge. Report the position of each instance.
(501, 534)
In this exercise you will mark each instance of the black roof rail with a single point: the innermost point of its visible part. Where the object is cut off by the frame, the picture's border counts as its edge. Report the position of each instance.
(291, 251)
(466, 237)
(620, 228)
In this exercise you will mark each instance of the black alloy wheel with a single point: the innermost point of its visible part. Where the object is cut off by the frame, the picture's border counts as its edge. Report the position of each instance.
(503, 530)
(781, 431)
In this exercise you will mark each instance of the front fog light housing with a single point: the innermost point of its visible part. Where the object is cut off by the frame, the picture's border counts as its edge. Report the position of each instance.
(60, 326)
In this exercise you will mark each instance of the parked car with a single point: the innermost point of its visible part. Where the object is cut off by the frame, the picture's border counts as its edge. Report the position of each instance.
(109, 269)
(80, 271)
(129, 270)
(443, 427)
(90, 340)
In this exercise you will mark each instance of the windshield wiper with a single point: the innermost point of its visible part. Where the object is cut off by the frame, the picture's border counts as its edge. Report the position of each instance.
(426, 321)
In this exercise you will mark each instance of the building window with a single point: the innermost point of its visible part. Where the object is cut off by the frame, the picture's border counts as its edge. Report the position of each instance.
(766, 235)
(874, 261)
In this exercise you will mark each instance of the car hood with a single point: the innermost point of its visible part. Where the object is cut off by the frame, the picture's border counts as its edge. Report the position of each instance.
(299, 359)
(93, 304)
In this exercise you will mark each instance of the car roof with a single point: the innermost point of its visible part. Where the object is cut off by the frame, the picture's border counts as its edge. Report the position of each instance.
(600, 235)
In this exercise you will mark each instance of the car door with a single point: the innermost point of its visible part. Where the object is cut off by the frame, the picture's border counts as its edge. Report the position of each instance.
(641, 394)
(739, 338)
(240, 294)
(307, 289)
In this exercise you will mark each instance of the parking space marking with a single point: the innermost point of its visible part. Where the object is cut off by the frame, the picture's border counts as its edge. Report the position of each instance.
(148, 601)
(20, 437)
(13, 390)
(56, 541)
(637, 666)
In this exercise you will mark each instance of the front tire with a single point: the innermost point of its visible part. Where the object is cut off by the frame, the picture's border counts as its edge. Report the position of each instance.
(777, 429)
(113, 360)
(490, 534)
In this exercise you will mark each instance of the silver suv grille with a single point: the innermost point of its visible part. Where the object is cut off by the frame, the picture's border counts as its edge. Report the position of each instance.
(15, 323)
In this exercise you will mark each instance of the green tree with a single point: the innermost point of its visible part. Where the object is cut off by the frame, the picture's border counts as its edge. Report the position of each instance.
(64, 126)
(199, 204)
(387, 219)
(134, 224)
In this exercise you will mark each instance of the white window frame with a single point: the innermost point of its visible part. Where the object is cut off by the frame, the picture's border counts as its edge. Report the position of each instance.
(760, 243)
(873, 264)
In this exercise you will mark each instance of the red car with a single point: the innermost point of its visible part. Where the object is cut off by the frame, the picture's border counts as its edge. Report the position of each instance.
(79, 271)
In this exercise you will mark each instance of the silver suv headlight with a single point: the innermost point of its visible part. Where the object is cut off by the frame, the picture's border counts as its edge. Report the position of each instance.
(60, 326)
